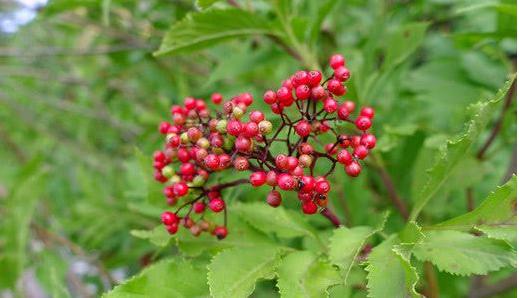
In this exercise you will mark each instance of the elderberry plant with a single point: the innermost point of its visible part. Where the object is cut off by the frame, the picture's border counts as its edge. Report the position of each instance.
(199, 145)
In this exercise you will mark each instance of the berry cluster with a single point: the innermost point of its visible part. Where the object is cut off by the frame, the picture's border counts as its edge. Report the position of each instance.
(199, 145)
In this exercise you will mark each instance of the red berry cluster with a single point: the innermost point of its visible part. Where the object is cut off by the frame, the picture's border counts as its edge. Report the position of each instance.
(199, 144)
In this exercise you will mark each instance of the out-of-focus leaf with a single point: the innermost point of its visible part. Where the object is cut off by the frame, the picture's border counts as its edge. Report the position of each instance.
(15, 222)
(51, 272)
(203, 29)
(158, 236)
(464, 254)
(203, 4)
(304, 274)
(171, 278)
(456, 149)
(498, 209)
(315, 27)
(403, 42)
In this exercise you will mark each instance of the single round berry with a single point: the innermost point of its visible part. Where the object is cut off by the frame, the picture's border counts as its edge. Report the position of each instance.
(307, 184)
(309, 207)
(217, 205)
(361, 152)
(265, 127)
(284, 95)
(272, 178)
(270, 97)
(300, 78)
(303, 128)
(343, 112)
(256, 116)
(220, 232)
(169, 218)
(368, 112)
(274, 198)
(286, 181)
(292, 163)
(353, 169)
(363, 123)
(344, 157)
(180, 189)
(322, 187)
(258, 178)
(336, 87)
(199, 207)
(243, 144)
(190, 103)
(314, 78)
(336, 61)
(211, 161)
(341, 73)
(241, 163)
(368, 140)
(172, 229)
(234, 127)
(303, 92)
(164, 127)
(250, 129)
(282, 161)
(318, 92)
(330, 105)
(216, 98)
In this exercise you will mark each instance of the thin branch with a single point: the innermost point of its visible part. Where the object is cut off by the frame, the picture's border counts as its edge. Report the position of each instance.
(502, 286)
(391, 190)
(432, 290)
(499, 123)
(331, 217)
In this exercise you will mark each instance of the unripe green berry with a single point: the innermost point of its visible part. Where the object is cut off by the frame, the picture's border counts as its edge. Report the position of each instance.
(175, 179)
(237, 112)
(184, 138)
(203, 143)
(221, 126)
(168, 171)
(228, 142)
(198, 181)
(265, 127)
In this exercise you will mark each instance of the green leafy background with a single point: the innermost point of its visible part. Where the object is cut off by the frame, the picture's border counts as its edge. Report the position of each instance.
(83, 86)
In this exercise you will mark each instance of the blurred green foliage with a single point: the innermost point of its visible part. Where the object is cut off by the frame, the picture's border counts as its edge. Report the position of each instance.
(81, 94)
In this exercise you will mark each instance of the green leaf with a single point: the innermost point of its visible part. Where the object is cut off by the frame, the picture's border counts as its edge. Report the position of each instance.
(403, 42)
(171, 278)
(241, 235)
(158, 235)
(456, 149)
(280, 221)
(234, 272)
(389, 273)
(203, 29)
(19, 208)
(51, 272)
(315, 27)
(464, 254)
(203, 4)
(304, 274)
(502, 232)
(498, 209)
(345, 244)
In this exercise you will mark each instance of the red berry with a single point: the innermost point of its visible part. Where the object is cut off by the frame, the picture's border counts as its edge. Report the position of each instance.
(330, 105)
(224, 160)
(216, 98)
(216, 205)
(303, 128)
(336, 61)
(350, 105)
(353, 169)
(164, 127)
(183, 155)
(212, 161)
(284, 95)
(180, 189)
(300, 78)
(306, 148)
(292, 162)
(274, 198)
(297, 171)
(246, 98)
(307, 183)
(256, 116)
(241, 163)
(322, 187)
(368, 140)
(189, 103)
(159, 156)
(309, 207)
(303, 92)
(234, 127)
(276, 108)
(368, 112)
(272, 178)
(361, 152)
(199, 207)
(172, 229)
(250, 129)
(187, 169)
(363, 123)
(330, 148)
(270, 97)
(318, 92)
(243, 144)
(214, 195)
(258, 178)
(169, 218)
(286, 181)
(314, 78)
(282, 161)
(220, 232)
(336, 87)
(341, 73)
(343, 112)
(344, 157)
